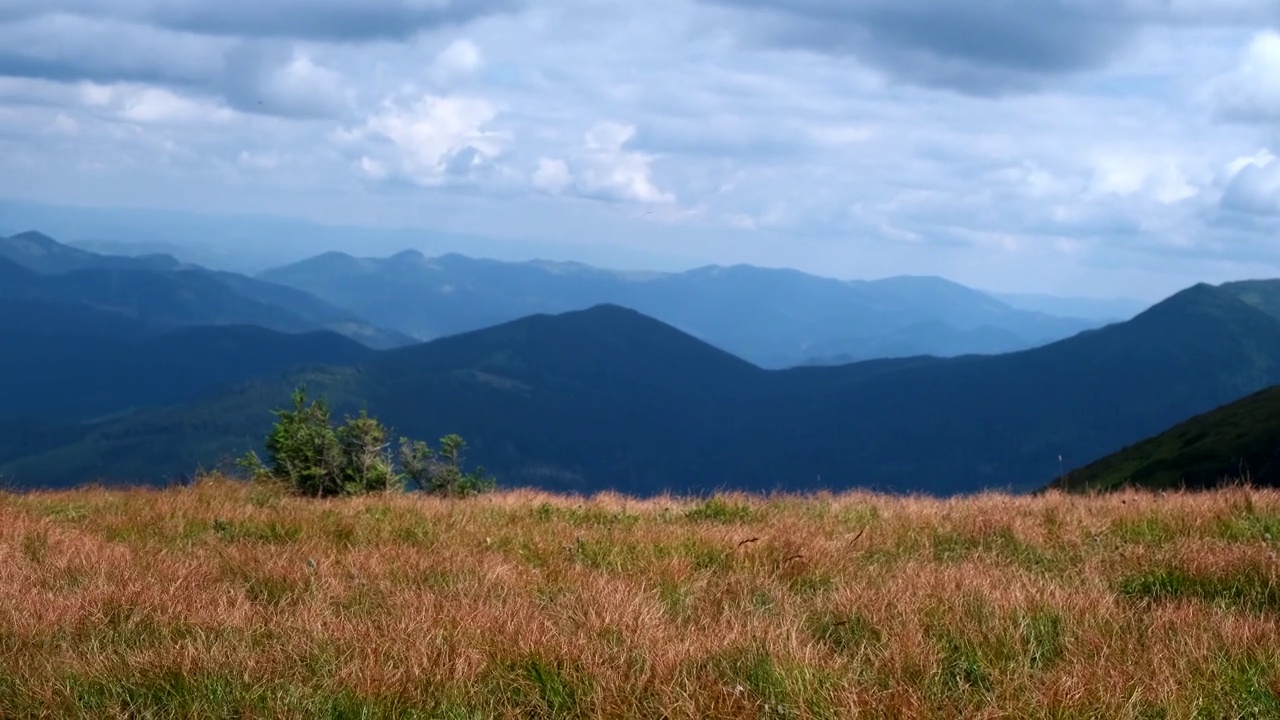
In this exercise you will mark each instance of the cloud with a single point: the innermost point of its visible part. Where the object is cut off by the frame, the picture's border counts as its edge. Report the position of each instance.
(250, 160)
(459, 60)
(259, 57)
(268, 79)
(1255, 186)
(252, 76)
(610, 171)
(68, 48)
(147, 105)
(1126, 175)
(780, 132)
(983, 47)
(552, 176)
(430, 141)
(331, 20)
(1251, 92)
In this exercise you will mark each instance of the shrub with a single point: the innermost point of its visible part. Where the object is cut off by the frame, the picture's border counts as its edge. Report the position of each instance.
(311, 457)
(441, 473)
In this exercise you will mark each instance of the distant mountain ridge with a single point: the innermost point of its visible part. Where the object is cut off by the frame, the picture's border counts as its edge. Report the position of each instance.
(608, 398)
(162, 294)
(42, 254)
(774, 318)
(1100, 309)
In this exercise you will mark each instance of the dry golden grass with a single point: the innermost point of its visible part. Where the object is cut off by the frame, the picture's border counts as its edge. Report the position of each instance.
(225, 600)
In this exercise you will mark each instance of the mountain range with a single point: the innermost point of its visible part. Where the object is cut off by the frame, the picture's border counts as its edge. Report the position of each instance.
(142, 369)
(610, 398)
(774, 318)
(159, 294)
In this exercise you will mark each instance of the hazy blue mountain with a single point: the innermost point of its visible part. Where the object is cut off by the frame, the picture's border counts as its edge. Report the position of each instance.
(202, 255)
(775, 318)
(251, 243)
(41, 253)
(1100, 309)
(162, 293)
(610, 398)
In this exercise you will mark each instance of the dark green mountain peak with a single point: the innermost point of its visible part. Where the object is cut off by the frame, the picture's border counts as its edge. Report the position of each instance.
(1203, 302)
(605, 339)
(1239, 441)
(1261, 294)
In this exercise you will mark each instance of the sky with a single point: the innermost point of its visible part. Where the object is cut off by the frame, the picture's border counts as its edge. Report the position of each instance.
(1086, 147)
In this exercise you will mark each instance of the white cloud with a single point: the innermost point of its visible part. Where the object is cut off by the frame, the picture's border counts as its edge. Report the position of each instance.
(430, 141)
(147, 105)
(552, 176)
(460, 60)
(1254, 187)
(1160, 179)
(612, 172)
(259, 160)
(1251, 92)
(65, 125)
(303, 88)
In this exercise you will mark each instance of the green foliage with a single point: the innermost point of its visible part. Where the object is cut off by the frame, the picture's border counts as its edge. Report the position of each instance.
(303, 450)
(1234, 443)
(312, 458)
(847, 635)
(1251, 588)
(1043, 637)
(781, 688)
(271, 533)
(719, 510)
(545, 688)
(440, 472)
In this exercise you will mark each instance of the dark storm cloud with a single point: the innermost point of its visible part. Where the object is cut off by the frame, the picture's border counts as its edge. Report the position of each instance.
(68, 49)
(259, 76)
(978, 47)
(251, 54)
(332, 20)
(340, 20)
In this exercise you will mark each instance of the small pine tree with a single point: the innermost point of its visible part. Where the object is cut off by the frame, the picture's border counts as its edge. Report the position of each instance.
(304, 450)
(441, 473)
(367, 465)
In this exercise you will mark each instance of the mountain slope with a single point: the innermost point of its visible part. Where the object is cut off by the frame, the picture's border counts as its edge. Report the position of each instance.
(609, 398)
(1261, 294)
(1239, 441)
(982, 422)
(68, 365)
(775, 318)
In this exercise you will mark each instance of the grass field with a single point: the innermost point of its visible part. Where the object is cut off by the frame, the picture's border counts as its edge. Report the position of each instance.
(223, 600)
